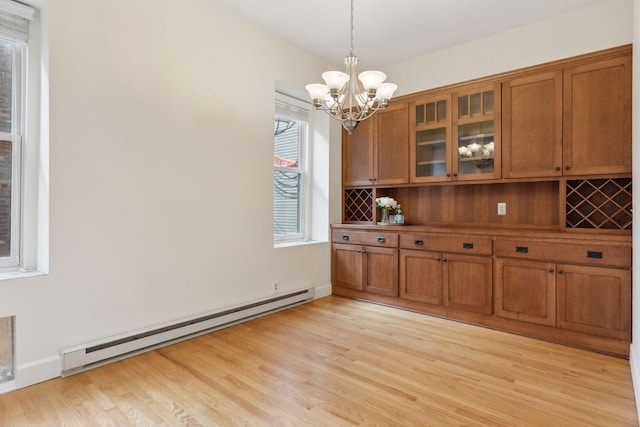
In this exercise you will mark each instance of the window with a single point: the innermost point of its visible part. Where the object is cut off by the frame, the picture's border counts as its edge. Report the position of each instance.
(290, 148)
(14, 32)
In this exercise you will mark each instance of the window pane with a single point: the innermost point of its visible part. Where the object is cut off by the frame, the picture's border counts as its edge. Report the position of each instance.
(6, 156)
(286, 146)
(286, 203)
(6, 85)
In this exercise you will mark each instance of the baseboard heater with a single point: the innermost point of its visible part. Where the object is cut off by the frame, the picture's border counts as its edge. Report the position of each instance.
(80, 358)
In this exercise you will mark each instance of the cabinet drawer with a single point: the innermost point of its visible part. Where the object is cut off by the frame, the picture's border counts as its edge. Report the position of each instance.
(478, 245)
(369, 238)
(580, 253)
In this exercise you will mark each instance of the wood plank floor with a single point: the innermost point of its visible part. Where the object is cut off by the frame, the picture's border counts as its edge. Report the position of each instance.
(340, 362)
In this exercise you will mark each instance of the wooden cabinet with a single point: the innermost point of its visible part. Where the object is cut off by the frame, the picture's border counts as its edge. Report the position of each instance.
(544, 287)
(369, 262)
(431, 139)
(595, 300)
(477, 133)
(532, 126)
(456, 136)
(526, 291)
(575, 121)
(377, 151)
(597, 117)
(455, 280)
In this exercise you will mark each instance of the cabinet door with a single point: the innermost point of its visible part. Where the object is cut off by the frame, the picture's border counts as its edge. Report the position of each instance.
(468, 282)
(526, 291)
(595, 300)
(391, 148)
(348, 267)
(381, 270)
(476, 133)
(597, 117)
(532, 126)
(357, 155)
(421, 276)
(430, 153)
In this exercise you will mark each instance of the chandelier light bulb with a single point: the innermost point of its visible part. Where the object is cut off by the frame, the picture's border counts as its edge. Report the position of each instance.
(335, 79)
(372, 79)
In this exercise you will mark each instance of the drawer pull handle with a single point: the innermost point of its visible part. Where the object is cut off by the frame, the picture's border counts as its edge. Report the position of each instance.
(380, 239)
(594, 254)
(522, 249)
(418, 242)
(345, 237)
(467, 245)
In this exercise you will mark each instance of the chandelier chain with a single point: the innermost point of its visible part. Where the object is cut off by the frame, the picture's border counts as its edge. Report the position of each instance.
(351, 31)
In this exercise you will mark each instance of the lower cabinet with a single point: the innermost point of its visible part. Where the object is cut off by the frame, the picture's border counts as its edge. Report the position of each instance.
(366, 268)
(595, 300)
(456, 281)
(573, 291)
(592, 300)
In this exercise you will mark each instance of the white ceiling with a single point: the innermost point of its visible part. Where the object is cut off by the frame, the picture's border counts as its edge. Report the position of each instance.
(387, 32)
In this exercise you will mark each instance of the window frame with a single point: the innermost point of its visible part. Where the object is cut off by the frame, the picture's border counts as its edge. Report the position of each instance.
(291, 108)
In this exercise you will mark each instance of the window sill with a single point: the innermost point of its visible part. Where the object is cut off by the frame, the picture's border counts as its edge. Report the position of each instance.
(297, 243)
(19, 274)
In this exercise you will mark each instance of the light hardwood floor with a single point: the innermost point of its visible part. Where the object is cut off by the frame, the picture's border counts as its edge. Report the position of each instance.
(340, 362)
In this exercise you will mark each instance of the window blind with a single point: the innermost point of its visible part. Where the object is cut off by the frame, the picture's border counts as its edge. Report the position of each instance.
(14, 21)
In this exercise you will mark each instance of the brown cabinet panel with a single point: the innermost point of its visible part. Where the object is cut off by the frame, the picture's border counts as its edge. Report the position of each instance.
(357, 155)
(348, 267)
(421, 276)
(391, 148)
(377, 151)
(532, 126)
(584, 253)
(381, 271)
(476, 245)
(526, 291)
(595, 300)
(468, 283)
(597, 117)
(365, 238)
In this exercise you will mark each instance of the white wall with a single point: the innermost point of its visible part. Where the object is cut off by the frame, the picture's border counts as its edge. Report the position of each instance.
(597, 27)
(161, 177)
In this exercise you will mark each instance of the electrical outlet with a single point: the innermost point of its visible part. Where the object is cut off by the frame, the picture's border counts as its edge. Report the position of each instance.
(502, 208)
(275, 286)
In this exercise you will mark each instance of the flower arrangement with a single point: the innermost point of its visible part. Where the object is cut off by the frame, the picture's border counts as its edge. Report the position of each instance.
(386, 203)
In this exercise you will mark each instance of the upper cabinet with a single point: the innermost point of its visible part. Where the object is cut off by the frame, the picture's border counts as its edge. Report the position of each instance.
(377, 151)
(431, 139)
(456, 136)
(575, 121)
(597, 117)
(476, 132)
(532, 126)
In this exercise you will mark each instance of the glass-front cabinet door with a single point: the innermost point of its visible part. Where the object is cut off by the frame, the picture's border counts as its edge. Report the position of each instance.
(431, 139)
(476, 152)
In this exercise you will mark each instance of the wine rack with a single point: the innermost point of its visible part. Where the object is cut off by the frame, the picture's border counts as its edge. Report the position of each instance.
(358, 205)
(599, 204)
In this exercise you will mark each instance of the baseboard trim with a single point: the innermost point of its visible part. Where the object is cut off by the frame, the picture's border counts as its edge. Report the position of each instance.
(323, 291)
(38, 371)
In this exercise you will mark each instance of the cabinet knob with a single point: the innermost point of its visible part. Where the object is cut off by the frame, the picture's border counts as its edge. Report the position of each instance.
(364, 251)
(455, 174)
(381, 239)
(560, 271)
(448, 175)
(418, 242)
(567, 167)
(444, 260)
(558, 168)
(551, 270)
(438, 259)
(345, 237)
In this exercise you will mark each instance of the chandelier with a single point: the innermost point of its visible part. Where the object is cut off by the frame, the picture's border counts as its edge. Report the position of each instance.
(347, 99)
